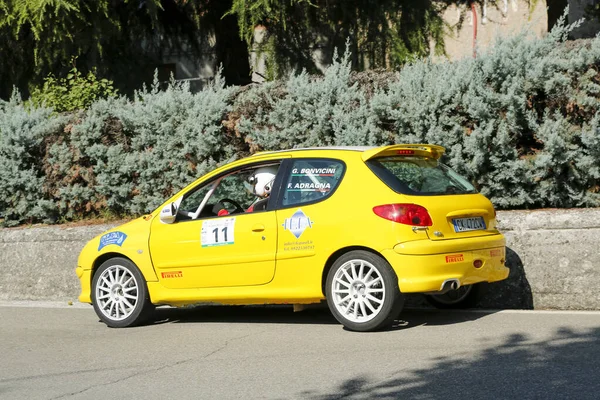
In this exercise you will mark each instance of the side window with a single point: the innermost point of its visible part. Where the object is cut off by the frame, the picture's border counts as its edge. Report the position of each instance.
(311, 180)
(193, 200)
(241, 191)
(232, 189)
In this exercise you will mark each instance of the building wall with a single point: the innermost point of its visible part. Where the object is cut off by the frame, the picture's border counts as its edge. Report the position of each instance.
(506, 18)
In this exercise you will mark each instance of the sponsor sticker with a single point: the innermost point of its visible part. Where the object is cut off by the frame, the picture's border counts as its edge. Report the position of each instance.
(116, 238)
(454, 258)
(313, 172)
(298, 245)
(496, 253)
(218, 232)
(297, 223)
(172, 274)
(317, 180)
(309, 187)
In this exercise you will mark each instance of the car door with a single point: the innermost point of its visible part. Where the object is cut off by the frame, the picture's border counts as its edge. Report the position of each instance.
(302, 204)
(223, 245)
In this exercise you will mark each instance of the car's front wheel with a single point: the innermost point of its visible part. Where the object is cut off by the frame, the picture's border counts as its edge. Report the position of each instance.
(119, 294)
(362, 291)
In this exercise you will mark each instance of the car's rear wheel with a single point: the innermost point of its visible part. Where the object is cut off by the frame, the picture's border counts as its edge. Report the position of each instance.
(464, 297)
(119, 294)
(362, 291)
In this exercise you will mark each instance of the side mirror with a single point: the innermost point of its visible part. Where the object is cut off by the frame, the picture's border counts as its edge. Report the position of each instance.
(169, 212)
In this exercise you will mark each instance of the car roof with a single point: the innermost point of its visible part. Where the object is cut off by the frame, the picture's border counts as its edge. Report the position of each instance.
(347, 148)
(368, 152)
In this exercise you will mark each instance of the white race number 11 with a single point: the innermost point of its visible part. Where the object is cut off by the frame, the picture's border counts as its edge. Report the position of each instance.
(218, 232)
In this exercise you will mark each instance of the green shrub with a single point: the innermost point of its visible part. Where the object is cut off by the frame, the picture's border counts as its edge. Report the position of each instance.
(513, 120)
(75, 92)
(308, 111)
(128, 156)
(522, 121)
(22, 134)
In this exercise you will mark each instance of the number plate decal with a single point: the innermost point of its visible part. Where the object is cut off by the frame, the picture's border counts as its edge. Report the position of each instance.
(217, 232)
(468, 224)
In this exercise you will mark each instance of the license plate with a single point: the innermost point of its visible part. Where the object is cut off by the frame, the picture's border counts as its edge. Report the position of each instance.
(468, 224)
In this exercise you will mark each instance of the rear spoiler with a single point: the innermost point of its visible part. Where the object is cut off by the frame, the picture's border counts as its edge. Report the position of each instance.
(419, 150)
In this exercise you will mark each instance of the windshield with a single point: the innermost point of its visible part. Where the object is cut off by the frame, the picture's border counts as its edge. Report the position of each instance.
(419, 176)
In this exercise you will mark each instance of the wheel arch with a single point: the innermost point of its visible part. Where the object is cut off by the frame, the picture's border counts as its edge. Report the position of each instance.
(337, 254)
(105, 257)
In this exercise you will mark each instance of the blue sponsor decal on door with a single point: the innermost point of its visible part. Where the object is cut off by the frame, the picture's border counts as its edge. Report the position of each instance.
(116, 238)
(297, 223)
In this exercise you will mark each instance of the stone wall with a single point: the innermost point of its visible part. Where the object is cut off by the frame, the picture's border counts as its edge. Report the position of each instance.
(554, 256)
(39, 263)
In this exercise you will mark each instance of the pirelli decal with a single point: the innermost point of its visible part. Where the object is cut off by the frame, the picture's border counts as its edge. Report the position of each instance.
(171, 274)
(454, 258)
(496, 253)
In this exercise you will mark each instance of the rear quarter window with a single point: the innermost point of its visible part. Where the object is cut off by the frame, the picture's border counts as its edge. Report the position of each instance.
(311, 180)
(419, 176)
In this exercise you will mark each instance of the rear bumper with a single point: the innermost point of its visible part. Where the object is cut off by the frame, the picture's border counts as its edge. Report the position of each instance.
(423, 266)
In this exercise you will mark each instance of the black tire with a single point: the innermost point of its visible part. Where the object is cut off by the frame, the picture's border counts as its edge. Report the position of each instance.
(382, 295)
(119, 294)
(461, 298)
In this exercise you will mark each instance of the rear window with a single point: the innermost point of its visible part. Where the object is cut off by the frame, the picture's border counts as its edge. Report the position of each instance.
(419, 176)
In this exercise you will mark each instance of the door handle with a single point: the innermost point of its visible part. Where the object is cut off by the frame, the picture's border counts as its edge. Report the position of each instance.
(258, 228)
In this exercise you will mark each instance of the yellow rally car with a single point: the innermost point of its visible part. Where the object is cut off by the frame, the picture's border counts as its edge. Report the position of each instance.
(357, 226)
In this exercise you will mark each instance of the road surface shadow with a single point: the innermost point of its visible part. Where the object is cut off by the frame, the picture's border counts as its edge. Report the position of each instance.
(566, 366)
(270, 314)
(513, 292)
(315, 314)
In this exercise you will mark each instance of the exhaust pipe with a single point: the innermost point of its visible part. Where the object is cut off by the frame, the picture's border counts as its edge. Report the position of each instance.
(453, 283)
(448, 285)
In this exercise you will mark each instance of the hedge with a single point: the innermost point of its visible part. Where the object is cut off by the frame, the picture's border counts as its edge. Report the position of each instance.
(522, 121)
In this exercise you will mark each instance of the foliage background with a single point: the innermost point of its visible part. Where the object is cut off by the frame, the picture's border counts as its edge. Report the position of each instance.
(125, 40)
(522, 121)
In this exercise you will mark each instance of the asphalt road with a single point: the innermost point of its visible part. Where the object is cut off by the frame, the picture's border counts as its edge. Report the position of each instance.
(273, 353)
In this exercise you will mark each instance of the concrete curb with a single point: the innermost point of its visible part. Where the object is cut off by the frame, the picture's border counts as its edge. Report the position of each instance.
(553, 254)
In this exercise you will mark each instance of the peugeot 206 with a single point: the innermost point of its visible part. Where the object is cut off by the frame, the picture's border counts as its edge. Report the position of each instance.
(357, 226)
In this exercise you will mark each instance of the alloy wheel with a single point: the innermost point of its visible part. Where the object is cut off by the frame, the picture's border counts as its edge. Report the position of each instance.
(117, 292)
(358, 291)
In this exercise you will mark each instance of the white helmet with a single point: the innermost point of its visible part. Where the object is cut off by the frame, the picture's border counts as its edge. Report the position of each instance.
(261, 182)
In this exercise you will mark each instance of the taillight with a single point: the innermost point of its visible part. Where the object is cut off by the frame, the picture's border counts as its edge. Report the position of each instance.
(409, 214)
